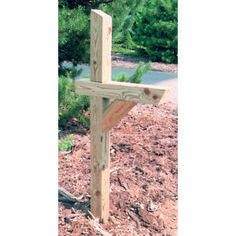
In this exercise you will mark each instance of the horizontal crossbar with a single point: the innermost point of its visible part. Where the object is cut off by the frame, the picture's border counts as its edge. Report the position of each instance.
(131, 92)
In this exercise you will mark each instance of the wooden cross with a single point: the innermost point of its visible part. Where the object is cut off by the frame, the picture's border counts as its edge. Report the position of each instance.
(110, 101)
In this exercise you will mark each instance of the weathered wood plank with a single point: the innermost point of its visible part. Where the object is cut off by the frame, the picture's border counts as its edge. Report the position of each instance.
(115, 112)
(100, 64)
(139, 93)
(100, 46)
(104, 116)
(100, 166)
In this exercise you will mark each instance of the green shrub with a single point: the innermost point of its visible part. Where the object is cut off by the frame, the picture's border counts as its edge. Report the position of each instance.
(127, 41)
(73, 36)
(156, 30)
(71, 4)
(119, 48)
(74, 28)
(70, 72)
(139, 72)
(137, 76)
(123, 16)
(65, 144)
(147, 27)
(121, 77)
(70, 104)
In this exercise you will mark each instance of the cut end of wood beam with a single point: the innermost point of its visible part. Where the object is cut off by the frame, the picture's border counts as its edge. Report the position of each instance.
(100, 13)
(165, 96)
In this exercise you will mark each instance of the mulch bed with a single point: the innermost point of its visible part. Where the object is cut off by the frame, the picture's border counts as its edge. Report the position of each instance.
(143, 176)
(131, 62)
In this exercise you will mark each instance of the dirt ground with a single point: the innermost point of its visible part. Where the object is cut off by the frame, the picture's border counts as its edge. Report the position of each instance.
(143, 176)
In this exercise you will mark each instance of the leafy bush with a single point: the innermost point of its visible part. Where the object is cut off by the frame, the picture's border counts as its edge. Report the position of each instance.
(73, 36)
(74, 27)
(147, 27)
(71, 4)
(65, 144)
(119, 48)
(123, 17)
(137, 76)
(71, 72)
(156, 30)
(70, 104)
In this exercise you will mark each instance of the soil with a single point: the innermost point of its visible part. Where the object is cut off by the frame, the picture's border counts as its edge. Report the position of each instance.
(143, 176)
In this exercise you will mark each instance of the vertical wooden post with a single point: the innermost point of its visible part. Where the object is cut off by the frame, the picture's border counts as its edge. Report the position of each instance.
(100, 64)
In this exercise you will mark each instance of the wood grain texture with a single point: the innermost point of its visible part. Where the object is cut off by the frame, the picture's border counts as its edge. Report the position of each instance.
(131, 92)
(100, 46)
(115, 112)
(100, 167)
(100, 56)
(105, 115)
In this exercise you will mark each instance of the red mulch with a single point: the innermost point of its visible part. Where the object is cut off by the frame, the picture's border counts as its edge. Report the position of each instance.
(131, 62)
(143, 176)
